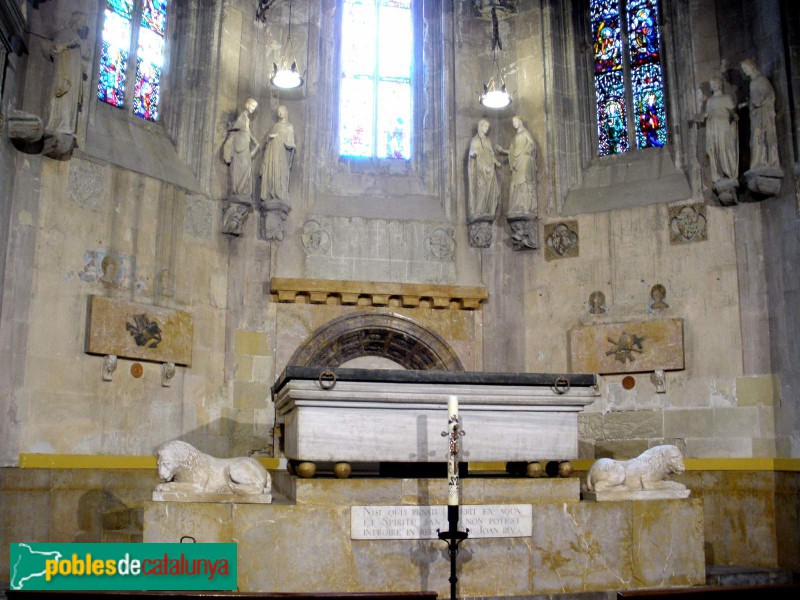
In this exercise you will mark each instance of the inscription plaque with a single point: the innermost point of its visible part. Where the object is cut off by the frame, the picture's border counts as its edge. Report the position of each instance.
(421, 522)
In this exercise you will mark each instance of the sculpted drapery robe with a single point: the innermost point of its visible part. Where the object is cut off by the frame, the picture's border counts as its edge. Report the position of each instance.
(484, 190)
(276, 167)
(522, 160)
(763, 137)
(66, 88)
(722, 137)
(237, 153)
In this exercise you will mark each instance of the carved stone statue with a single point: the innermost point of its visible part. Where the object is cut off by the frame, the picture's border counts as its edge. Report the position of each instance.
(278, 159)
(722, 142)
(238, 152)
(275, 171)
(765, 173)
(484, 190)
(641, 477)
(185, 469)
(66, 86)
(522, 160)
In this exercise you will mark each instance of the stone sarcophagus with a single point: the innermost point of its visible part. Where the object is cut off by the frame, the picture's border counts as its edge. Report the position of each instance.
(365, 415)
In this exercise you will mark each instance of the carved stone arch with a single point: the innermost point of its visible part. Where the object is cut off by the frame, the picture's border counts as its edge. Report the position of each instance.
(389, 335)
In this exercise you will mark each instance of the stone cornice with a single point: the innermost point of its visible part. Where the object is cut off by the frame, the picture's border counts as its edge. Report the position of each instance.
(375, 293)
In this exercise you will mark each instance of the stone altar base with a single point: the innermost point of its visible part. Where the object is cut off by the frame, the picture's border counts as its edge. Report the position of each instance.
(301, 542)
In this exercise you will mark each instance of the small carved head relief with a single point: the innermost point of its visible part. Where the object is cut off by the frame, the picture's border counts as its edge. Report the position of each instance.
(597, 301)
(657, 293)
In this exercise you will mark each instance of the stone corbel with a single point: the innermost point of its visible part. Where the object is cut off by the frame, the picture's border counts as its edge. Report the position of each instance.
(109, 366)
(167, 373)
(524, 231)
(659, 379)
(765, 181)
(25, 130)
(480, 230)
(273, 220)
(234, 215)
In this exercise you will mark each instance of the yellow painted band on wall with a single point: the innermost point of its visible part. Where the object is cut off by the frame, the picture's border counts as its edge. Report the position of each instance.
(95, 461)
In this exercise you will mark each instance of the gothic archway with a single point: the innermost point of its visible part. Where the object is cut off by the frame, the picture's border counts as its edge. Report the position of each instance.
(389, 335)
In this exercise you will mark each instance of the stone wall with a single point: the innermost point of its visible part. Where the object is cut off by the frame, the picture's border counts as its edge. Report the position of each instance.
(71, 505)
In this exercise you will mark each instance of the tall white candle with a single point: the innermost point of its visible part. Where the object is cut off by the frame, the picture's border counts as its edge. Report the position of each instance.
(453, 428)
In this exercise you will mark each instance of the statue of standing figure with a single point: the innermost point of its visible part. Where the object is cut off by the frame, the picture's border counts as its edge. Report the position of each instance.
(237, 152)
(522, 160)
(765, 173)
(483, 195)
(522, 203)
(275, 171)
(722, 142)
(66, 86)
(278, 158)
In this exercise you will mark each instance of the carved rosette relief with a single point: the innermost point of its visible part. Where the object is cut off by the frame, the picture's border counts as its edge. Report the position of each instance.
(687, 224)
(440, 244)
(315, 238)
(561, 240)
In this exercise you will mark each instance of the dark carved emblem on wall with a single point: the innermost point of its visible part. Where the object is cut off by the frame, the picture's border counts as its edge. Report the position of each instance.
(561, 240)
(687, 224)
(625, 346)
(145, 332)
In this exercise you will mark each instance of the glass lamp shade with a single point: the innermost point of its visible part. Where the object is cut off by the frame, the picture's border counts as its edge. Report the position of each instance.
(494, 98)
(286, 77)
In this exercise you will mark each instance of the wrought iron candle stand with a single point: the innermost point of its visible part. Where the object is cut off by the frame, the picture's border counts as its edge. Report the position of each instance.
(453, 536)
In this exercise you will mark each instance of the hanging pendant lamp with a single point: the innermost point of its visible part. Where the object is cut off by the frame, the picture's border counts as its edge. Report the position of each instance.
(494, 93)
(285, 74)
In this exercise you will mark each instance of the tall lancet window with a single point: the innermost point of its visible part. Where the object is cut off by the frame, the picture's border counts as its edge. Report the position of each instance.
(134, 33)
(375, 95)
(627, 73)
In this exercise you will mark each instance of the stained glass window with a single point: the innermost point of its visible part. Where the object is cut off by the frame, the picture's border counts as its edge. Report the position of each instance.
(116, 54)
(375, 96)
(627, 75)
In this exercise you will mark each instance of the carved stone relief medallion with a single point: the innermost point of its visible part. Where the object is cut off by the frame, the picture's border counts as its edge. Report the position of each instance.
(315, 239)
(687, 224)
(561, 240)
(440, 244)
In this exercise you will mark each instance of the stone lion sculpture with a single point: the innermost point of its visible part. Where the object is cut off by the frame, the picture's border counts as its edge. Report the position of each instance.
(185, 469)
(645, 472)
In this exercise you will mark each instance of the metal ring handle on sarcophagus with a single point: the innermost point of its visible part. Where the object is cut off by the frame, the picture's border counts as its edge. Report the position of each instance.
(560, 385)
(326, 380)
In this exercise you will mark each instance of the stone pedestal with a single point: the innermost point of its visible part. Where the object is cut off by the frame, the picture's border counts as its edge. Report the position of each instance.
(524, 234)
(765, 181)
(302, 542)
(236, 211)
(273, 220)
(480, 231)
(725, 189)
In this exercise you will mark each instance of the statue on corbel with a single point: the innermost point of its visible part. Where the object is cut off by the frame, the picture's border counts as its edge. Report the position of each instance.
(57, 138)
(483, 193)
(765, 175)
(275, 172)
(238, 151)
(522, 215)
